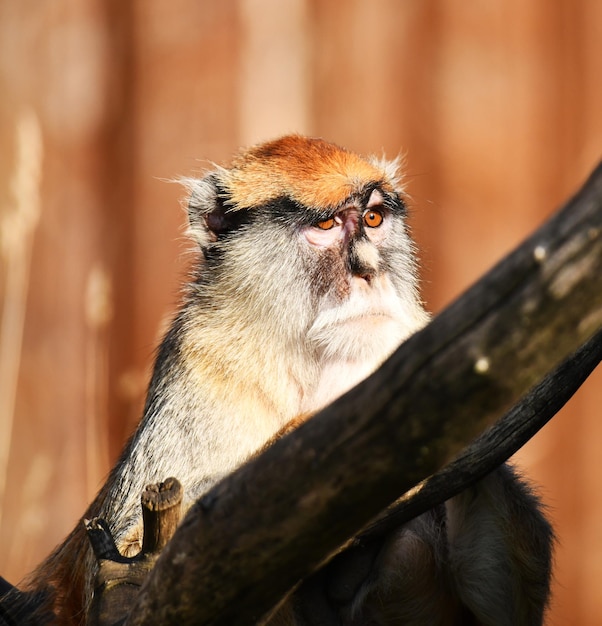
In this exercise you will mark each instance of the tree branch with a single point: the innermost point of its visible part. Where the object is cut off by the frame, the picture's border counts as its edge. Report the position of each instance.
(338, 583)
(498, 443)
(276, 519)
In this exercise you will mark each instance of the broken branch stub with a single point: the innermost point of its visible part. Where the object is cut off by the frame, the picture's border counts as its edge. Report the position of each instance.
(119, 578)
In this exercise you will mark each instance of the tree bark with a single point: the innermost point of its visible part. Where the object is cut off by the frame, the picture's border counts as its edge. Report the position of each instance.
(276, 519)
(498, 443)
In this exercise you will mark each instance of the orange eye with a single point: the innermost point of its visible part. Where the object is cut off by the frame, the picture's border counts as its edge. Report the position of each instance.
(372, 219)
(326, 224)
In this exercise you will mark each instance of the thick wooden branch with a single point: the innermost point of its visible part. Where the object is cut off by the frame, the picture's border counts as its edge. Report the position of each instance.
(498, 443)
(254, 535)
(339, 581)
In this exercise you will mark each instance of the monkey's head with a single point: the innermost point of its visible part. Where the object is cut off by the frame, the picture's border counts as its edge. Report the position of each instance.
(310, 240)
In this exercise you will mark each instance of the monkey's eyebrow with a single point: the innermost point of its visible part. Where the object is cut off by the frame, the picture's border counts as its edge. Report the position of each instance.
(288, 211)
(395, 203)
(376, 199)
(318, 215)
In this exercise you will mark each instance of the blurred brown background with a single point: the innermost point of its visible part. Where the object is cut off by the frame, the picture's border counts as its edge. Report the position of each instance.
(496, 103)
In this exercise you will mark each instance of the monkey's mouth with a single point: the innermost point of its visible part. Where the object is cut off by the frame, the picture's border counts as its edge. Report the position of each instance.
(368, 316)
(356, 327)
(351, 319)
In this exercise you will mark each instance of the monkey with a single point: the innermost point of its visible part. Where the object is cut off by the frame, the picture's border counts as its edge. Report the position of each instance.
(306, 281)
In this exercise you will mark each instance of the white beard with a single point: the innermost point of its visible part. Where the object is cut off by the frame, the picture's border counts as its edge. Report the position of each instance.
(353, 338)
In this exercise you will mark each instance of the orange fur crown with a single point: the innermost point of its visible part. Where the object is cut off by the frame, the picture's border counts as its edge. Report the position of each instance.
(311, 172)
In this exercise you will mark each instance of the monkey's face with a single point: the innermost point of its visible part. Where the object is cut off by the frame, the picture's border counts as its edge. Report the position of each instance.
(363, 275)
(308, 243)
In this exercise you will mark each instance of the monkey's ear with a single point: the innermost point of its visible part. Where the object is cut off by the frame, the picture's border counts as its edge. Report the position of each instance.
(208, 216)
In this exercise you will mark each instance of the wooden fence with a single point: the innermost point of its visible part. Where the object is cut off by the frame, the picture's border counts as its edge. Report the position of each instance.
(496, 105)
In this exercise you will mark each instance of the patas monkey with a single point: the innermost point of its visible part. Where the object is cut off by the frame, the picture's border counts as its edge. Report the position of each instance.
(306, 282)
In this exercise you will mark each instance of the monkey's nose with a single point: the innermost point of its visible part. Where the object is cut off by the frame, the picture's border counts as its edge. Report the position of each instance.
(362, 268)
(362, 271)
(366, 276)
(362, 280)
(363, 260)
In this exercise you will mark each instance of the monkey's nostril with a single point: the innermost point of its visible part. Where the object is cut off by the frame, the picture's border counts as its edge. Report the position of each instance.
(363, 277)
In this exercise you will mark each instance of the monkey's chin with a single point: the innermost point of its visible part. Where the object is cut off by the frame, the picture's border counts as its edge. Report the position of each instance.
(355, 348)
(351, 342)
(367, 325)
(370, 337)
